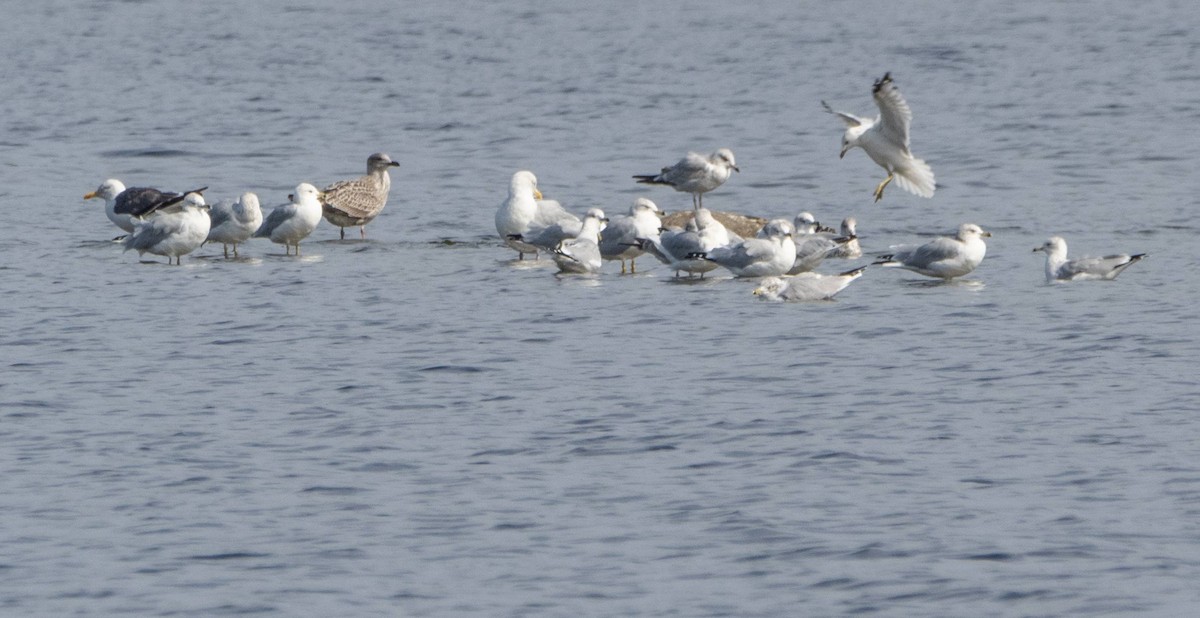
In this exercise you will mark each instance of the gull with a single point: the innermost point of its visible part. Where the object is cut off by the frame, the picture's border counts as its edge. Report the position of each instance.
(943, 257)
(619, 240)
(525, 211)
(549, 237)
(807, 286)
(851, 249)
(770, 255)
(233, 223)
(122, 204)
(358, 201)
(684, 249)
(695, 174)
(582, 253)
(813, 244)
(287, 225)
(174, 232)
(1059, 268)
(885, 140)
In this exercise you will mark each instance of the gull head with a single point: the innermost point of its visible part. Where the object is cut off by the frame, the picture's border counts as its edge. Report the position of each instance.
(379, 162)
(724, 156)
(305, 192)
(642, 204)
(597, 214)
(806, 223)
(1055, 245)
(703, 218)
(850, 138)
(249, 200)
(107, 190)
(771, 287)
(524, 182)
(968, 231)
(777, 227)
(194, 200)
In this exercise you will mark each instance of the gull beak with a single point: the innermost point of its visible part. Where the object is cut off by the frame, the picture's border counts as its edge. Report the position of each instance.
(842, 154)
(537, 195)
(986, 234)
(1036, 249)
(90, 195)
(394, 164)
(736, 168)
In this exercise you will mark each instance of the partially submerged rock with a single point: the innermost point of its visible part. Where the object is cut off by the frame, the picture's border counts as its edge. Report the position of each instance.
(745, 226)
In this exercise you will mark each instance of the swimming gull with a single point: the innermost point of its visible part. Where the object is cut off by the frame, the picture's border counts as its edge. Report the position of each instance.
(851, 248)
(619, 240)
(287, 225)
(581, 254)
(885, 140)
(1059, 268)
(770, 255)
(234, 222)
(525, 211)
(358, 201)
(123, 204)
(943, 257)
(174, 231)
(695, 174)
(807, 286)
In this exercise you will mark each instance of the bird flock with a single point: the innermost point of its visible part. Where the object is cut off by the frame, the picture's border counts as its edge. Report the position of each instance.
(783, 255)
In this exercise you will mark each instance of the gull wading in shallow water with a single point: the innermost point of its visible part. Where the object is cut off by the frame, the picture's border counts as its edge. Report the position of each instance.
(770, 255)
(287, 225)
(581, 254)
(122, 205)
(619, 240)
(358, 201)
(234, 222)
(1059, 268)
(174, 232)
(885, 140)
(695, 174)
(525, 212)
(943, 257)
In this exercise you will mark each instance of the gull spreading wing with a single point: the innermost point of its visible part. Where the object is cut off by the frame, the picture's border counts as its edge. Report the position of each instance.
(850, 119)
(894, 113)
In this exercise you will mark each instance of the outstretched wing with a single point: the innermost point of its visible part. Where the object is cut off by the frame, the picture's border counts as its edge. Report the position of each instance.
(894, 113)
(850, 119)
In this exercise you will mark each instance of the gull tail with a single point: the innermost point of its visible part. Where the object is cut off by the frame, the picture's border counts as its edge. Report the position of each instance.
(885, 260)
(650, 179)
(916, 177)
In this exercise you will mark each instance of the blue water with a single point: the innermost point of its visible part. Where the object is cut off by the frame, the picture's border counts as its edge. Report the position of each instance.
(416, 425)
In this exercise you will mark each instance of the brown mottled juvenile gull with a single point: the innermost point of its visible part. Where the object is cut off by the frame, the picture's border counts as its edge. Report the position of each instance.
(358, 201)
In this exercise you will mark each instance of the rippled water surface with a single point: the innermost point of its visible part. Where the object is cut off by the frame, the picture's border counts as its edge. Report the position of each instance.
(418, 425)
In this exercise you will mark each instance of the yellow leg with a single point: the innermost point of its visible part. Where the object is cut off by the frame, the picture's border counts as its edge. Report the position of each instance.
(879, 189)
(632, 267)
(622, 267)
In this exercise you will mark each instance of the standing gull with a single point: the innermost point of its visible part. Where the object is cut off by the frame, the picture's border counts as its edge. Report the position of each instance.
(357, 202)
(233, 223)
(695, 174)
(1059, 268)
(287, 225)
(943, 257)
(174, 232)
(525, 211)
(885, 140)
(122, 205)
(619, 240)
(807, 286)
(582, 253)
(770, 255)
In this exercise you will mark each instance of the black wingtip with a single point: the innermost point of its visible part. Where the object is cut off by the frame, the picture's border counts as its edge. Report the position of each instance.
(886, 79)
(855, 271)
(883, 259)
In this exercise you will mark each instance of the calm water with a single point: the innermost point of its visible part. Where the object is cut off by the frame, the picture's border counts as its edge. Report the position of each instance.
(415, 425)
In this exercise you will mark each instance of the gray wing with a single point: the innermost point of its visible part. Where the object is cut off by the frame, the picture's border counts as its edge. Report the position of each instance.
(930, 253)
(1093, 266)
(850, 119)
(581, 250)
(621, 232)
(151, 232)
(550, 212)
(220, 213)
(549, 236)
(742, 254)
(275, 219)
(692, 168)
(894, 113)
(679, 245)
